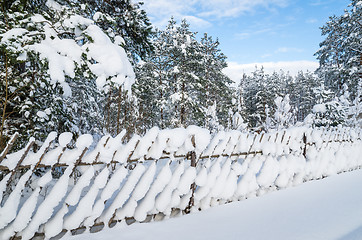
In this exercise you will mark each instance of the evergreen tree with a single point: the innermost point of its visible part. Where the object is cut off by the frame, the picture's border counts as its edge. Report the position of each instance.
(214, 84)
(283, 114)
(124, 18)
(154, 74)
(340, 55)
(182, 104)
(260, 90)
(182, 78)
(57, 67)
(301, 92)
(30, 104)
(355, 114)
(330, 110)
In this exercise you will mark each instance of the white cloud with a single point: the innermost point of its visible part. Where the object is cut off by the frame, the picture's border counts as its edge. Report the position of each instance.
(266, 55)
(160, 11)
(254, 32)
(318, 2)
(197, 22)
(286, 50)
(242, 36)
(311, 20)
(233, 8)
(235, 70)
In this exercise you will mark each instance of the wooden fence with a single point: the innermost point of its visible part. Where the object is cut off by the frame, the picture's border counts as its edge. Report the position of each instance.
(59, 189)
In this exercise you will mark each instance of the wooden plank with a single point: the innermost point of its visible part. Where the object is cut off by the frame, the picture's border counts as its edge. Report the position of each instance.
(13, 171)
(9, 146)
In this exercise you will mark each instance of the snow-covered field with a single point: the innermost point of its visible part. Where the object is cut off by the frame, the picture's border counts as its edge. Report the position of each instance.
(330, 208)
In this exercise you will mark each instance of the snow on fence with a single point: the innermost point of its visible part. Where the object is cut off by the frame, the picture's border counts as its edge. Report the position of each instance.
(60, 189)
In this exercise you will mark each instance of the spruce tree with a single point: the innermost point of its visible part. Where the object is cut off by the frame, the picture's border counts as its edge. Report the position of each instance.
(340, 54)
(57, 66)
(215, 85)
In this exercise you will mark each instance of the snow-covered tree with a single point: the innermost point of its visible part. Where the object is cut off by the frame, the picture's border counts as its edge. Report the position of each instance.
(215, 85)
(259, 90)
(330, 109)
(301, 92)
(64, 62)
(30, 102)
(283, 114)
(238, 122)
(355, 113)
(340, 54)
(182, 78)
(212, 121)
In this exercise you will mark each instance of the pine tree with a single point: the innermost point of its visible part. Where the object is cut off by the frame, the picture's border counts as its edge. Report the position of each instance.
(56, 69)
(170, 76)
(29, 102)
(355, 114)
(283, 114)
(183, 105)
(153, 79)
(329, 111)
(340, 55)
(301, 92)
(214, 84)
(260, 90)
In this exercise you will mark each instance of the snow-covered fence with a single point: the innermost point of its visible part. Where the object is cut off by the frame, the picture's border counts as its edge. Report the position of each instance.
(58, 189)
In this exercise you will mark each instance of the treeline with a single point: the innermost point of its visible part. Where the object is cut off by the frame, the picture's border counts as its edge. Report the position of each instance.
(99, 67)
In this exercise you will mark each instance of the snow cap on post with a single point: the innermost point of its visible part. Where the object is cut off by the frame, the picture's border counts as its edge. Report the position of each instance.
(84, 141)
(201, 137)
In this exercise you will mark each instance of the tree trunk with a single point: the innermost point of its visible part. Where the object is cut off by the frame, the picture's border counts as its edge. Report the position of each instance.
(182, 110)
(119, 110)
(3, 116)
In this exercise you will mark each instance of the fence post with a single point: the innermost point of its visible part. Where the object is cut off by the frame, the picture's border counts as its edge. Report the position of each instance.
(192, 156)
(305, 145)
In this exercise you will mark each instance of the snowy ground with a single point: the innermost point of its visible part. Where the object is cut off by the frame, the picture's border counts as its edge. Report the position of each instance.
(326, 209)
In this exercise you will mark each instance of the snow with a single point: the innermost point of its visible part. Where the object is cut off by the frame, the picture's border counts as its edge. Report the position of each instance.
(3, 184)
(84, 141)
(319, 108)
(111, 186)
(26, 211)
(145, 182)
(144, 188)
(148, 202)
(46, 208)
(325, 209)
(32, 159)
(65, 138)
(9, 209)
(123, 195)
(202, 137)
(187, 178)
(73, 197)
(145, 143)
(91, 50)
(12, 159)
(111, 60)
(201, 178)
(84, 208)
(124, 151)
(12, 33)
(53, 4)
(61, 55)
(164, 201)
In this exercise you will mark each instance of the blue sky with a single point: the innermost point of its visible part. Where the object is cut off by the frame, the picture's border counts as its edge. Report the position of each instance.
(278, 34)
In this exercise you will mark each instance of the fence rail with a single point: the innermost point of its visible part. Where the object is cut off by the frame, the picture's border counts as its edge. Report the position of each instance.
(58, 189)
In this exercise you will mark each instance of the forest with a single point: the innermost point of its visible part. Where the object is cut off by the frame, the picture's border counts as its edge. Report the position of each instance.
(100, 67)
